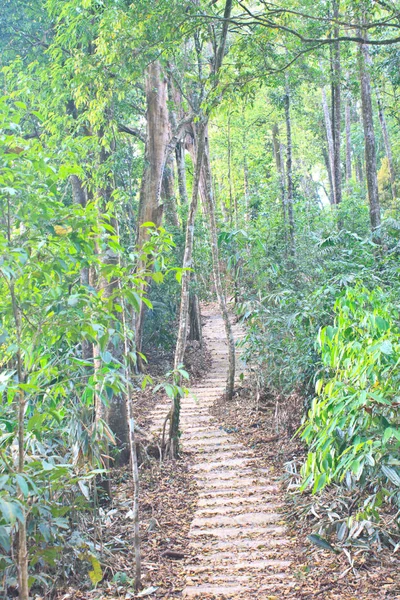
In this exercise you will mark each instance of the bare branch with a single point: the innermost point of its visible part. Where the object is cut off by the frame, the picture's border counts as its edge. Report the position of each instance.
(133, 131)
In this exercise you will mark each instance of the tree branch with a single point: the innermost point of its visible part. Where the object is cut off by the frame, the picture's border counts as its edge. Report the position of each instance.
(133, 131)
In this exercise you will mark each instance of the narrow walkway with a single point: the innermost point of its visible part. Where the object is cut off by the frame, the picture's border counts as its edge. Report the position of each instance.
(237, 532)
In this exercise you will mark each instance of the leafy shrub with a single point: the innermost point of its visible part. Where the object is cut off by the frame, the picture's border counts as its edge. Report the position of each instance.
(353, 427)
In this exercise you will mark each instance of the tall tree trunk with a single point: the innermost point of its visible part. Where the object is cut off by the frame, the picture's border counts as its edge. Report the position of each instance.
(230, 383)
(173, 441)
(195, 327)
(156, 142)
(369, 141)
(191, 147)
(386, 140)
(289, 172)
(330, 164)
(329, 171)
(132, 444)
(181, 171)
(348, 139)
(79, 196)
(279, 162)
(232, 199)
(168, 194)
(22, 561)
(336, 108)
(114, 415)
(359, 170)
(246, 191)
(187, 259)
(246, 187)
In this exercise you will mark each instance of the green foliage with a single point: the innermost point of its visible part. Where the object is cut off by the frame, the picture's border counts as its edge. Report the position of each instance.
(48, 312)
(353, 425)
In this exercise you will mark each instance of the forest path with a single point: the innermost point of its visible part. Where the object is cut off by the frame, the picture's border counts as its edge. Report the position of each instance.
(237, 534)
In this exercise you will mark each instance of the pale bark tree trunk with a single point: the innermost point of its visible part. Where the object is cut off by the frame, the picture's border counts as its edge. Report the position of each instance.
(329, 171)
(388, 147)
(168, 194)
(329, 137)
(369, 141)
(79, 196)
(22, 561)
(279, 162)
(336, 109)
(246, 191)
(181, 171)
(246, 187)
(359, 170)
(173, 441)
(230, 383)
(156, 142)
(232, 197)
(191, 146)
(348, 140)
(132, 446)
(187, 261)
(289, 173)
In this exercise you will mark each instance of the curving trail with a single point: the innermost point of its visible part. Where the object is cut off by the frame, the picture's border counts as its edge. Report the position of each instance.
(237, 534)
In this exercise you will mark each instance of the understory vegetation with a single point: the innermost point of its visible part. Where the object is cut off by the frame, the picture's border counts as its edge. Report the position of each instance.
(156, 155)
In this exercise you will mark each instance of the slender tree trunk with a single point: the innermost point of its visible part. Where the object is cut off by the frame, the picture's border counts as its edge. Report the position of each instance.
(79, 196)
(279, 162)
(330, 164)
(150, 211)
(329, 171)
(195, 327)
(348, 139)
(336, 109)
(115, 414)
(369, 141)
(132, 448)
(181, 171)
(22, 563)
(191, 146)
(232, 196)
(168, 194)
(246, 187)
(187, 260)
(246, 191)
(289, 173)
(359, 170)
(173, 441)
(386, 140)
(217, 276)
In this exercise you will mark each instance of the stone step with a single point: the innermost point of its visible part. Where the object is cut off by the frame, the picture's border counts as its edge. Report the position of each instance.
(233, 520)
(234, 500)
(249, 565)
(224, 509)
(248, 491)
(239, 544)
(212, 434)
(210, 449)
(229, 483)
(224, 462)
(218, 591)
(238, 532)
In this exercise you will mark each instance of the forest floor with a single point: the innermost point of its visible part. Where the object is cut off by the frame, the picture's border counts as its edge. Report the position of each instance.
(222, 522)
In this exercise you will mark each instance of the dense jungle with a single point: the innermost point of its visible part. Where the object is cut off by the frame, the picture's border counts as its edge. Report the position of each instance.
(199, 299)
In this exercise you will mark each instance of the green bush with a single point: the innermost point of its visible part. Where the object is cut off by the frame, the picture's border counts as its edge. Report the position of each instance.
(353, 425)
